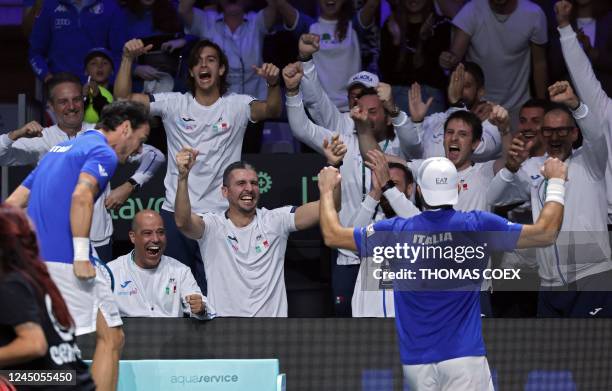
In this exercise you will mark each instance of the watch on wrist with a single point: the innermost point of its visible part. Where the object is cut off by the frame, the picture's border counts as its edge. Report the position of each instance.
(389, 185)
(134, 184)
(337, 165)
(460, 103)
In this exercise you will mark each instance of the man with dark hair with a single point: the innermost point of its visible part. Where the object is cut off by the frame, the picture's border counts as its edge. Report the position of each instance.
(424, 137)
(243, 248)
(31, 142)
(210, 120)
(60, 195)
(462, 135)
(575, 272)
(356, 178)
(438, 321)
(241, 34)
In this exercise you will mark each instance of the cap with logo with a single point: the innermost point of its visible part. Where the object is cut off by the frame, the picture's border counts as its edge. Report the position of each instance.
(366, 79)
(438, 180)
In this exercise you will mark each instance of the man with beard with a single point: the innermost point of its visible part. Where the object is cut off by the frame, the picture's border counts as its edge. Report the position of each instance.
(243, 248)
(576, 269)
(424, 136)
(31, 142)
(210, 120)
(60, 195)
(588, 87)
(150, 284)
(356, 179)
(462, 135)
(389, 181)
(438, 324)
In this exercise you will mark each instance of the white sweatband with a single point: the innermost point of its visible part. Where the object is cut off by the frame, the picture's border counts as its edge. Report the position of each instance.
(81, 248)
(555, 190)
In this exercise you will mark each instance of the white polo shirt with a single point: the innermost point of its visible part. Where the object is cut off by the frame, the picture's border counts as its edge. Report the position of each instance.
(158, 292)
(216, 131)
(245, 266)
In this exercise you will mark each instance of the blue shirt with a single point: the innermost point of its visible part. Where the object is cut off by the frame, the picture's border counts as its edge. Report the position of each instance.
(62, 35)
(52, 183)
(437, 325)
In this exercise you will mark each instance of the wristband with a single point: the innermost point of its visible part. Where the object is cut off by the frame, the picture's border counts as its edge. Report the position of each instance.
(555, 190)
(337, 165)
(81, 248)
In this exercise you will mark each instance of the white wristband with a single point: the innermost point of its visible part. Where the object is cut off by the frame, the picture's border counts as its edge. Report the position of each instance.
(555, 190)
(81, 248)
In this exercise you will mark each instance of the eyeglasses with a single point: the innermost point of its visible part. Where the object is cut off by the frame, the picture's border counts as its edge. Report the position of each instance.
(561, 131)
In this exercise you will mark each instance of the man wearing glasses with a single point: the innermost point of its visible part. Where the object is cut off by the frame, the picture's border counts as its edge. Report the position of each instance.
(576, 271)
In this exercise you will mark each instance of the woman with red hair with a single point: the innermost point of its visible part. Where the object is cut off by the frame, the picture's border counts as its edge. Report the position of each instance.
(36, 329)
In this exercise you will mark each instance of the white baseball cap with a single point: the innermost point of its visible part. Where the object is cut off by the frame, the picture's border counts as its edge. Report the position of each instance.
(364, 78)
(438, 180)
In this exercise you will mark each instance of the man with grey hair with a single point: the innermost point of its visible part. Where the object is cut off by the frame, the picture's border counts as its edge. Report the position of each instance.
(28, 144)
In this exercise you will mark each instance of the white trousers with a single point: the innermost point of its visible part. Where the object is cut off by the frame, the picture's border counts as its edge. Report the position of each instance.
(457, 374)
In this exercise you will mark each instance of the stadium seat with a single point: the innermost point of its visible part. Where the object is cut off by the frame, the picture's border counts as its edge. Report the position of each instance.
(550, 381)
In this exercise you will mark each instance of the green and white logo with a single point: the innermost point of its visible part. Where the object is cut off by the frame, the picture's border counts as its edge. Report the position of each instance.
(265, 181)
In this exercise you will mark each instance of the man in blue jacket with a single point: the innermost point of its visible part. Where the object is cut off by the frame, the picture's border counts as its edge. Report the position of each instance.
(65, 31)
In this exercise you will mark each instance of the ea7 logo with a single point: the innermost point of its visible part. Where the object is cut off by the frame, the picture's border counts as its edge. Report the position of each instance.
(441, 181)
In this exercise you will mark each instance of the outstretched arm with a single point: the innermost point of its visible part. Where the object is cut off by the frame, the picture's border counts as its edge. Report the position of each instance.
(123, 83)
(272, 106)
(150, 159)
(190, 224)
(301, 126)
(81, 213)
(334, 234)
(544, 231)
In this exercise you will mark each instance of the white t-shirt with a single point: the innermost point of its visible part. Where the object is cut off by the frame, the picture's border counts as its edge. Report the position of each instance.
(245, 266)
(158, 292)
(243, 48)
(216, 131)
(501, 46)
(423, 140)
(336, 61)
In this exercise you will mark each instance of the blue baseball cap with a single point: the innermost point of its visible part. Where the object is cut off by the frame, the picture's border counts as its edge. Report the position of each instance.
(99, 52)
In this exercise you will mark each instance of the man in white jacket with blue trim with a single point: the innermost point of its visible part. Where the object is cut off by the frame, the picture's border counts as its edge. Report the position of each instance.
(586, 84)
(150, 284)
(575, 272)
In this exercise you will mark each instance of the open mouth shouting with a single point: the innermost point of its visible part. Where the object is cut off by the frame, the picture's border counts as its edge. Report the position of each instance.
(205, 76)
(454, 152)
(153, 250)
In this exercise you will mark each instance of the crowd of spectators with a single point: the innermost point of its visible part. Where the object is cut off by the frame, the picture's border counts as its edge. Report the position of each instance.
(487, 83)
